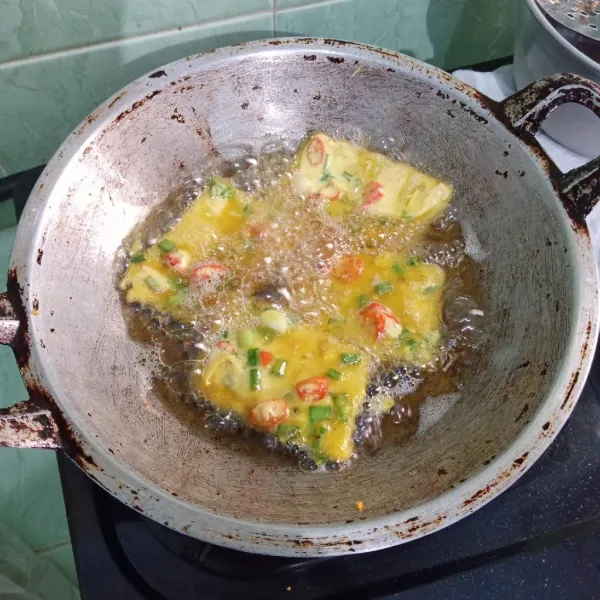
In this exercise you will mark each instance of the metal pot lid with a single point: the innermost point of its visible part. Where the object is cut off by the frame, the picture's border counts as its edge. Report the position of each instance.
(580, 16)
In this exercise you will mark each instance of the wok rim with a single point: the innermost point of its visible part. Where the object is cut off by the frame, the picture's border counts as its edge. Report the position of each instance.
(316, 540)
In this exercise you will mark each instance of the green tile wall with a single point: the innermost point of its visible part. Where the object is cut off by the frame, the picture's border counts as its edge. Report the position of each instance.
(60, 58)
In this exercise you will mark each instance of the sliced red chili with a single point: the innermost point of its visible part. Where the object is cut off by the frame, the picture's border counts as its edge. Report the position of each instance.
(268, 413)
(265, 358)
(178, 259)
(349, 269)
(315, 151)
(226, 347)
(209, 272)
(373, 193)
(312, 389)
(379, 316)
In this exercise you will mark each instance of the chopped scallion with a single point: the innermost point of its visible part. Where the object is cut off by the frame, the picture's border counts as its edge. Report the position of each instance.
(278, 369)
(178, 283)
(152, 283)
(225, 334)
(398, 269)
(348, 176)
(319, 413)
(341, 407)
(362, 301)
(288, 433)
(333, 374)
(218, 190)
(429, 289)
(406, 216)
(252, 355)
(254, 380)
(412, 261)
(177, 299)
(336, 320)
(412, 344)
(404, 334)
(351, 359)
(384, 288)
(138, 257)
(166, 245)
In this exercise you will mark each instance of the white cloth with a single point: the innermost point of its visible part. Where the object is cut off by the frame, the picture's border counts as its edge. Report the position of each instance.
(500, 84)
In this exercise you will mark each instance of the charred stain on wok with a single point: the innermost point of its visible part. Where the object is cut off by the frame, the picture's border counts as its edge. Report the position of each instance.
(116, 99)
(40, 254)
(522, 413)
(157, 74)
(137, 105)
(39, 397)
(570, 390)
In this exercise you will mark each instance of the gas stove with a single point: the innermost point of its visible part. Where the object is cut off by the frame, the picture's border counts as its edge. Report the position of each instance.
(538, 540)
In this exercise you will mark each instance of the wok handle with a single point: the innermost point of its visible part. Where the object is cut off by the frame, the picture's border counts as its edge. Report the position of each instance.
(26, 424)
(526, 111)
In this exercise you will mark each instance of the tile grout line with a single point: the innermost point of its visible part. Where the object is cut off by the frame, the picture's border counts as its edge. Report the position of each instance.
(74, 51)
(301, 7)
(52, 547)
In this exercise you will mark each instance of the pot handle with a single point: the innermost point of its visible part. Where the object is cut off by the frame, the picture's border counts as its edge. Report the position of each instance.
(526, 111)
(26, 424)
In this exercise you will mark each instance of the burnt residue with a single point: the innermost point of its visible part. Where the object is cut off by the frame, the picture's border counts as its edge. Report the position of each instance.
(116, 99)
(522, 413)
(336, 60)
(36, 304)
(245, 105)
(137, 105)
(310, 57)
(157, 74)
(546, 426)
(39, 398)
(177, 116)
(519, 461)
(572, 384)
(40, 255)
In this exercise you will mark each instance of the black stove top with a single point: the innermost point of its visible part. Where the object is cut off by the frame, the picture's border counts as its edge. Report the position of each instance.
(538, 540)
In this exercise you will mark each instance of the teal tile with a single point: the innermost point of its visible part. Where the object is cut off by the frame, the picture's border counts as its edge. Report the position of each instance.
(447, 33)
(31, 27)
(281, 4)
(62, 558)
(30, 575)
(43, 100)
(7, 214)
